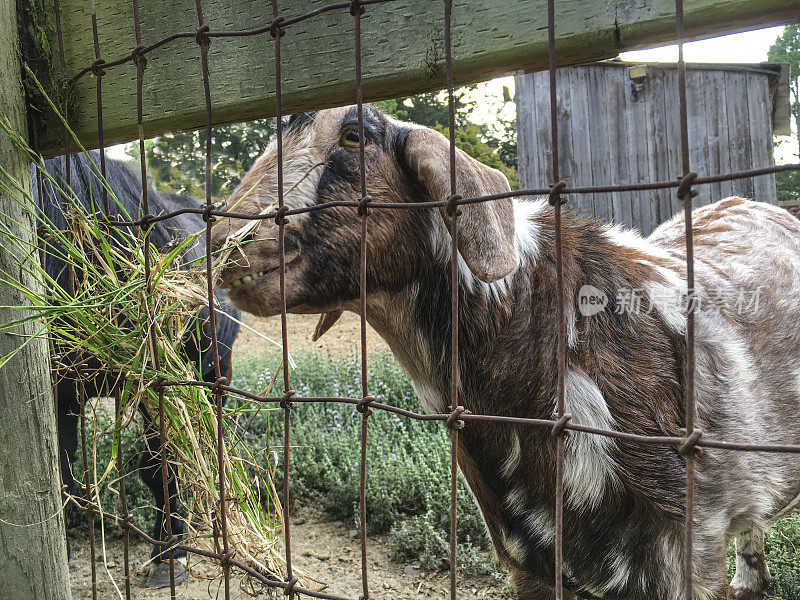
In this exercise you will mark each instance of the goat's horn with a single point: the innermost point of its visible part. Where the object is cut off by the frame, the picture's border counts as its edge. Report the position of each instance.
(326, 321)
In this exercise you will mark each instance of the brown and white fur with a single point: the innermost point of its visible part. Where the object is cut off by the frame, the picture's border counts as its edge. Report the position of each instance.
(624, 502)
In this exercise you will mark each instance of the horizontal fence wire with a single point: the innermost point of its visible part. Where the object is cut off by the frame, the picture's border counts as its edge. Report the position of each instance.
(437, 204)
(366, 404)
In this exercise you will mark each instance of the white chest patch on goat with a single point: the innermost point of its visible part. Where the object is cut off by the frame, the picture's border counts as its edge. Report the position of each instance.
(588, 467)
(512, 460)
(429, 397)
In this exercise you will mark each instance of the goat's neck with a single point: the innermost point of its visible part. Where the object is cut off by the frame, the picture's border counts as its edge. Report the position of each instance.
(502, 327)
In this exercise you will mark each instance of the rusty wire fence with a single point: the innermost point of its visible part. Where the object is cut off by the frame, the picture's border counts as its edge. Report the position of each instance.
(278, 26)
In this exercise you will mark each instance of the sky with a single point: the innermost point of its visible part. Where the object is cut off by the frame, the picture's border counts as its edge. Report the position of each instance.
(748, 47)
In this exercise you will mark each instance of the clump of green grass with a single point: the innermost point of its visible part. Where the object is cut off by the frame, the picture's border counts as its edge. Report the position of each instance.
(133, 323)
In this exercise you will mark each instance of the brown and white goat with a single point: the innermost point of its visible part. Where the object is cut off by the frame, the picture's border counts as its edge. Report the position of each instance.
(624, 502)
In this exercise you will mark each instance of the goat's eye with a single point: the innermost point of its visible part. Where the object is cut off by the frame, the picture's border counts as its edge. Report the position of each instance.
(350, 139)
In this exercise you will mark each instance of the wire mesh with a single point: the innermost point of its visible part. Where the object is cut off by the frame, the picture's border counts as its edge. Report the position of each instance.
(458, 417)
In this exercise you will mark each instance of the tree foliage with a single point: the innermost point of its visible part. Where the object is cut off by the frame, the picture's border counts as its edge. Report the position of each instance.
(787, 49)
(177, 161)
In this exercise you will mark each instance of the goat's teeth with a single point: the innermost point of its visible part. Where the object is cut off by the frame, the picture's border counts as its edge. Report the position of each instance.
(246, 278)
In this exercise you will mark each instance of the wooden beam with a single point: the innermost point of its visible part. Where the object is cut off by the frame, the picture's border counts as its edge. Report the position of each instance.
(402, 48)
(33, 550)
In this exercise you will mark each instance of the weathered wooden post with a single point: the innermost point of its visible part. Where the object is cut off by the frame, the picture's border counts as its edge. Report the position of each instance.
(33, 555)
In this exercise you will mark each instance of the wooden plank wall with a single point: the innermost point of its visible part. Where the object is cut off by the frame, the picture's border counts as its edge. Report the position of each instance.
(608, 136)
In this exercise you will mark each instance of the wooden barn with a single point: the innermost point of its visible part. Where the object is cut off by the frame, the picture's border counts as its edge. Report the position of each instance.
(618, 123)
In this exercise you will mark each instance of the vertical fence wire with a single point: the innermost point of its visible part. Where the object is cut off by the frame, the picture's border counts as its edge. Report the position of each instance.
(556, 202)
(685, 193)
(99, 72)
(167, 553)
(357, 11)
(452, 212)
(79, 385)
(203, 40)
(280, 219)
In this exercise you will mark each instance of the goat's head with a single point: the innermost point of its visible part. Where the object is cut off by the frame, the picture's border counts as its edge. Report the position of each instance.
(404, 164)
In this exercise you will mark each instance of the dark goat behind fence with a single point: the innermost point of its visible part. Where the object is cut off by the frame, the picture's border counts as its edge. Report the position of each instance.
(364, 212)
(127, 187)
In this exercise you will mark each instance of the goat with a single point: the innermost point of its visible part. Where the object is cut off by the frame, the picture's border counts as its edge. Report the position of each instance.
(127, 187)
(624, 502)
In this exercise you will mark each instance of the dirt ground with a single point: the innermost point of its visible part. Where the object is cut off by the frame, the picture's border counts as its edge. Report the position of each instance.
(344, 336)
(326, 551)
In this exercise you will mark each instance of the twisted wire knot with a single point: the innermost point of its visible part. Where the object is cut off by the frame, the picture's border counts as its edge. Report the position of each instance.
(208, 215)
(362, 205)
(290, 583)
(146, 220)
(226, 557)
(555, 193)
(97, 67)
(276, 27)
(202, 37)
(558, 427)
(285, 400)
(685, 186)
(451, 208)
(453, 421)
(363, 407)
(217, 387)
(356, 8)
(280, 215)
(690, 442)
(139, 58)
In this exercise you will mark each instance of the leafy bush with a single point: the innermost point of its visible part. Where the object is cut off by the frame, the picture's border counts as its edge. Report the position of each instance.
(408, 466)
(408, 476)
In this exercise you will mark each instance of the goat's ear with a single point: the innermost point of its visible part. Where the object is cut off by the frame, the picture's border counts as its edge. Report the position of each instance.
(485, 229)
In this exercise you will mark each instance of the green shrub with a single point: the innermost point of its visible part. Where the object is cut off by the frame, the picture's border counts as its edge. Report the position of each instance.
(408, 466)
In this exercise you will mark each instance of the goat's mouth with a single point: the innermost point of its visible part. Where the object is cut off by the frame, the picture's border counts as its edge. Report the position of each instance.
(251, 277)
(247, 280)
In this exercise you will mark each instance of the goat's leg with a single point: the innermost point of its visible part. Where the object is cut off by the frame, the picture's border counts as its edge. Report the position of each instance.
(709, 573)
(530, 588)
(151, 474)
(752, 574)
(68, 410)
